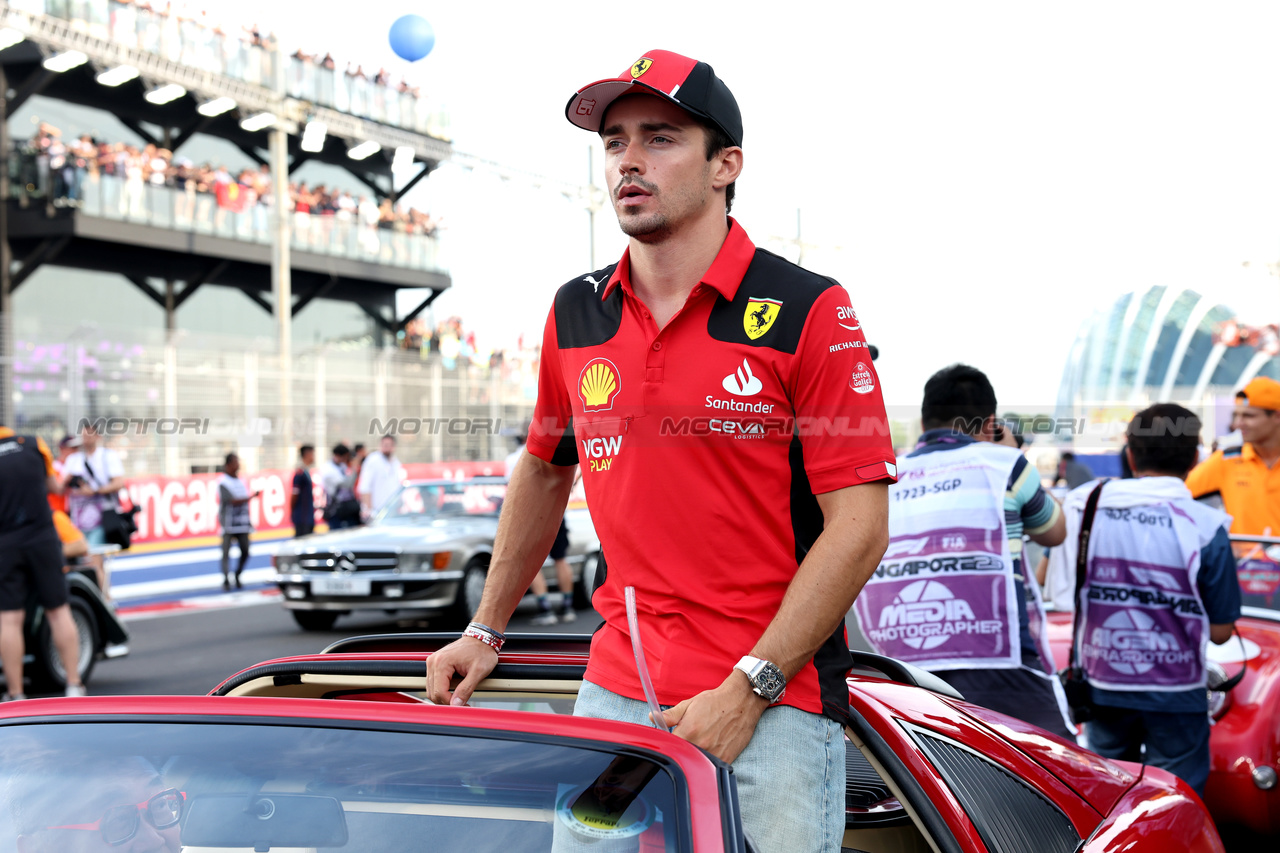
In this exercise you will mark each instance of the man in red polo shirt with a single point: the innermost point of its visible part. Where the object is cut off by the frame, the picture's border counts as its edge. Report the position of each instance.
(736, 457)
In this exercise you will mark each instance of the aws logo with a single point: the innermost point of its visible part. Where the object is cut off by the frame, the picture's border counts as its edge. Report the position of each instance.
(599, 385)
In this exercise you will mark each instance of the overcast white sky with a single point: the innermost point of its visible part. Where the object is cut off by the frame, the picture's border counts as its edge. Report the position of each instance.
(980, 175)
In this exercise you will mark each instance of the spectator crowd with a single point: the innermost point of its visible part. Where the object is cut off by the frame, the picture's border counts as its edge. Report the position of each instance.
(186, 33)
(57, 170)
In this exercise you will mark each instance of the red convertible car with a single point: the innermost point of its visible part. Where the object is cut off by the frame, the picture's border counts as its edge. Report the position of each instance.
(1244, 743)
(339, 750)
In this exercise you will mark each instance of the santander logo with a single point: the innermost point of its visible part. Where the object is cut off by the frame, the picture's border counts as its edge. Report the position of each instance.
(743, 382)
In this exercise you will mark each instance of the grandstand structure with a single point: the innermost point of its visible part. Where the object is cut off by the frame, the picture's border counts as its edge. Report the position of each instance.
(139, 265)
(1168, 344)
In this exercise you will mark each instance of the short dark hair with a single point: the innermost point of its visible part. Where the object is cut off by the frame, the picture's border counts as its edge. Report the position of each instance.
(341, 449)
(230, 456)
(958, 396)
(302, 451)
(356, 448)
(717, 141)
(1164, 439)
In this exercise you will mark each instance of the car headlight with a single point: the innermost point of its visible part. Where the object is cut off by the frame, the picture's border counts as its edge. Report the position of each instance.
(1215, 677)
(410, 563)
(285, 562)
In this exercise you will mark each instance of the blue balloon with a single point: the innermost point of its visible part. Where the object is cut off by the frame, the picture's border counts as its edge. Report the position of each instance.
(412, 37)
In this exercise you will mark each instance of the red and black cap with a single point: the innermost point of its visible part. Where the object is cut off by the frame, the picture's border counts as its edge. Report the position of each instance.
(689, 84)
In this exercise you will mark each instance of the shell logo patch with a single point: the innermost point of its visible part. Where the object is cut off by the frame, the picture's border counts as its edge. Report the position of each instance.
(642, 65)
(598, 385)
(759, 316)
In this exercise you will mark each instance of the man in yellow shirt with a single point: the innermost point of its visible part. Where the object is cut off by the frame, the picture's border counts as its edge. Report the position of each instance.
(1248, 478)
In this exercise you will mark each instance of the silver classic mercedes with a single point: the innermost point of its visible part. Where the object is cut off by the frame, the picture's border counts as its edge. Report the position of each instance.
(425, 552)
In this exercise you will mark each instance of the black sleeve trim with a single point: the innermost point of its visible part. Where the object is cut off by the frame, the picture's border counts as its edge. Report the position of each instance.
(566, 452)
(583, 319)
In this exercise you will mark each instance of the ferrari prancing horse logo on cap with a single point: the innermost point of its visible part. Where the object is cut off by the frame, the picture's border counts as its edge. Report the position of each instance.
(759, 316)
(641, 66)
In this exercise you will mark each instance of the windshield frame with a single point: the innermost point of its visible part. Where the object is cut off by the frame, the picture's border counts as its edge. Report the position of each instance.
(384, 517)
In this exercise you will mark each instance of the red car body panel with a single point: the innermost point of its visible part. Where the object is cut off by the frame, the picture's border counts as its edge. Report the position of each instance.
(1111, 805)
(700, 773)
(1095, 794)
(885, 705)
(1100, 782)
(1245, 736)
(1150, 812)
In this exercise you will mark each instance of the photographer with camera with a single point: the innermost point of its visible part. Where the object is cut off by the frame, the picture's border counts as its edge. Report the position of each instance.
(93, 477)
(965, 497)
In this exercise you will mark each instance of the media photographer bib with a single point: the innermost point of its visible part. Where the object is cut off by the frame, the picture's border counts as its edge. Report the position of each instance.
(1143, 625)
(943, 596)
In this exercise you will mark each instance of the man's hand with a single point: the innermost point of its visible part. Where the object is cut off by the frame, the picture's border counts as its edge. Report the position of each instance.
(722, 720)
(467, 657)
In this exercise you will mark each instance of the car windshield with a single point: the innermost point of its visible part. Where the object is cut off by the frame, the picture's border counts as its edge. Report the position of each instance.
(1258, 567)
(247, 786)
(423, 502)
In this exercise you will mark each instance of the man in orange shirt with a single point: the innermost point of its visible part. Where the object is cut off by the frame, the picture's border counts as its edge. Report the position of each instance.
(1248, 478)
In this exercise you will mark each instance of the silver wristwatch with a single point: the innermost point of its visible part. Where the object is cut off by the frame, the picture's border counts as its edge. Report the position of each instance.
(766, 679)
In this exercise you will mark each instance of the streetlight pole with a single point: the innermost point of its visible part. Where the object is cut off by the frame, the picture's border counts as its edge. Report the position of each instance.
(281, 281)
(7, 407)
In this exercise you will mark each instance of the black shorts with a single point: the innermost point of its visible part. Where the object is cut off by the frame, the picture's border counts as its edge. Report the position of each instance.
(1019, 693)
(32, 562)
(560, 547)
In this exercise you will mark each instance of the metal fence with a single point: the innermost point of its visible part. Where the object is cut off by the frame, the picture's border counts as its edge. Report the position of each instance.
(177, 404)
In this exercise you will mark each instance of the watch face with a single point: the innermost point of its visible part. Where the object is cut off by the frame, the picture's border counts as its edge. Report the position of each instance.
(769, 683)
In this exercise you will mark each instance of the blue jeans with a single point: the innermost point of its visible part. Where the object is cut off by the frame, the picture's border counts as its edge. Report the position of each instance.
(790, 777)
(95, 536)
(1177, 742)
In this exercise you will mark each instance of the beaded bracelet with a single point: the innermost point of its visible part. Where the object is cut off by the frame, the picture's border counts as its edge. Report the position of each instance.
(489, 637)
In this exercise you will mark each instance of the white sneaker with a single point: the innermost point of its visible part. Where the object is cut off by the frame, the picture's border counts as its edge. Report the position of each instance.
(76, 690)
(547, 617)
(567, 616)
(13, 697)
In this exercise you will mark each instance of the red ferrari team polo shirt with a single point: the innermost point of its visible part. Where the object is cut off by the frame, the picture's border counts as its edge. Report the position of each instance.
(702, 446)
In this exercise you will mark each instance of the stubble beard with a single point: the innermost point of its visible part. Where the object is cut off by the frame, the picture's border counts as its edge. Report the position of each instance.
(654, 228)
(647, 228)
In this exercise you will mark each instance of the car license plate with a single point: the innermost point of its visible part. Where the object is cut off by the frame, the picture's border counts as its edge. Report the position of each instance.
(340, 586)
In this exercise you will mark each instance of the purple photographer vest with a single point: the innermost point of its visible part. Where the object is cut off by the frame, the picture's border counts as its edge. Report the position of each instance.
(943, 596)
(1143, 625)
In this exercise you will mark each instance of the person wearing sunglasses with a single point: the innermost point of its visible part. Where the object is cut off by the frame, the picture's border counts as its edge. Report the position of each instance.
(136, 814)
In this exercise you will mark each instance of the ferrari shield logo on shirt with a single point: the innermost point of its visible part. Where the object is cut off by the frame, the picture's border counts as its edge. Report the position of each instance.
(862, 381)
(598, 385)
(759, 316)
(641, 66)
